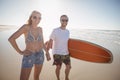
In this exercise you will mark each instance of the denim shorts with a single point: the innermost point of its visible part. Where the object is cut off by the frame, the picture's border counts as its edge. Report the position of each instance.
(35, 58)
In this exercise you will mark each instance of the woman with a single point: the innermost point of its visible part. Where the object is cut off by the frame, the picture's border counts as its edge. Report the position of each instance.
(33, 53)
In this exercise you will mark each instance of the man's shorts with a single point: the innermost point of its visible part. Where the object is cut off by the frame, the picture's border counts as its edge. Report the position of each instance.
(35, 58)
(59, 59)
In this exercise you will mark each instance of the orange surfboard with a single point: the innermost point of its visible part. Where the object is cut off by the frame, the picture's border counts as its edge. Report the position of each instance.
(88, 51)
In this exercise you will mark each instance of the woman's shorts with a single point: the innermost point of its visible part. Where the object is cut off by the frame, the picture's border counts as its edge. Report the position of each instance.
(59, 59)
(35, 58)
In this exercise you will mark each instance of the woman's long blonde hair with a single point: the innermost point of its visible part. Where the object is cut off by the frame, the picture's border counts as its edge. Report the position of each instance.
(34, 12)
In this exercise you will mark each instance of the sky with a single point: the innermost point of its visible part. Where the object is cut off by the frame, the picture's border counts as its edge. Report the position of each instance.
(83, 14)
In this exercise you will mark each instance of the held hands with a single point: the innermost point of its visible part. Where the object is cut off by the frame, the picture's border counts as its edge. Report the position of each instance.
(48, 56)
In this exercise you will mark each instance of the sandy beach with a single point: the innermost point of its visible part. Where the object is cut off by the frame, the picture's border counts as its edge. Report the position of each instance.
(10, 60)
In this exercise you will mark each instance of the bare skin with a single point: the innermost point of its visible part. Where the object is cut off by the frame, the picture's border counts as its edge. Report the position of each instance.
(31, 46)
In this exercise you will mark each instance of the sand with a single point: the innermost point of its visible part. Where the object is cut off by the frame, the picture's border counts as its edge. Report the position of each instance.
(10, 63)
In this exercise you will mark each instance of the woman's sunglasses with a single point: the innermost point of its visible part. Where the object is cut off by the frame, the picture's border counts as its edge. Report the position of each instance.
(35, 17)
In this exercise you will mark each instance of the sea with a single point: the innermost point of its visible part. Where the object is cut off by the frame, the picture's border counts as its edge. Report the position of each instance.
(10, 60)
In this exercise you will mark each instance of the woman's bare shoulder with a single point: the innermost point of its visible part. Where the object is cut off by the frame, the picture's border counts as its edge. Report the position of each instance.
(24, 28)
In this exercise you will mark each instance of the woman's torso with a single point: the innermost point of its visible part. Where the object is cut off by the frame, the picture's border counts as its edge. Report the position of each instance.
(33, 39)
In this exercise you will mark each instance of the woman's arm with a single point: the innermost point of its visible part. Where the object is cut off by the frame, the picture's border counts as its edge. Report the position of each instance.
(47, 52)
(12, 39)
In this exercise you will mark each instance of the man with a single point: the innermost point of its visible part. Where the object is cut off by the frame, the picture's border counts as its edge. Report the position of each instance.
(59, 42)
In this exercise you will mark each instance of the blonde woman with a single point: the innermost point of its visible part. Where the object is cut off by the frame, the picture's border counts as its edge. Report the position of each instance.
(33, 54)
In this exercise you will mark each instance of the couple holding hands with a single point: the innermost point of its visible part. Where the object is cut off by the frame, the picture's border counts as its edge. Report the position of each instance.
(33, 55)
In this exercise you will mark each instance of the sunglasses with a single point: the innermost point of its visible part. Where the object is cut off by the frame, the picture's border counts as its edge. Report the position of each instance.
(64, 20)
(35, 17)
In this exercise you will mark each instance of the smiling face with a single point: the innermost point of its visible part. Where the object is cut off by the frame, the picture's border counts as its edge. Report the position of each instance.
(64, 20)
(35, 18)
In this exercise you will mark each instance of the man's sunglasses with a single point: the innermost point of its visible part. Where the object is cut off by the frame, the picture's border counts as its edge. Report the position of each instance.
(64, 20)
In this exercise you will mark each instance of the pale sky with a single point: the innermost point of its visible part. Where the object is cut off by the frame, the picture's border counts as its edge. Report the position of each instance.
(83, 14)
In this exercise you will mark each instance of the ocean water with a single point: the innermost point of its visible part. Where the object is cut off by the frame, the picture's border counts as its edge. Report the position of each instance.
(10, 60)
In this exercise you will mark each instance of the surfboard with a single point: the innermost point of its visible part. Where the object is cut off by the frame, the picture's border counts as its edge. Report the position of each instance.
(87, 51)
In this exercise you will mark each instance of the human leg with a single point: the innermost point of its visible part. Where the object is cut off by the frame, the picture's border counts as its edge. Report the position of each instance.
(58, 63)
(67, 71)
(27, 63)
(25, 73)
(67, 62)
(57, 71)
(38, 64)
(37, 71)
